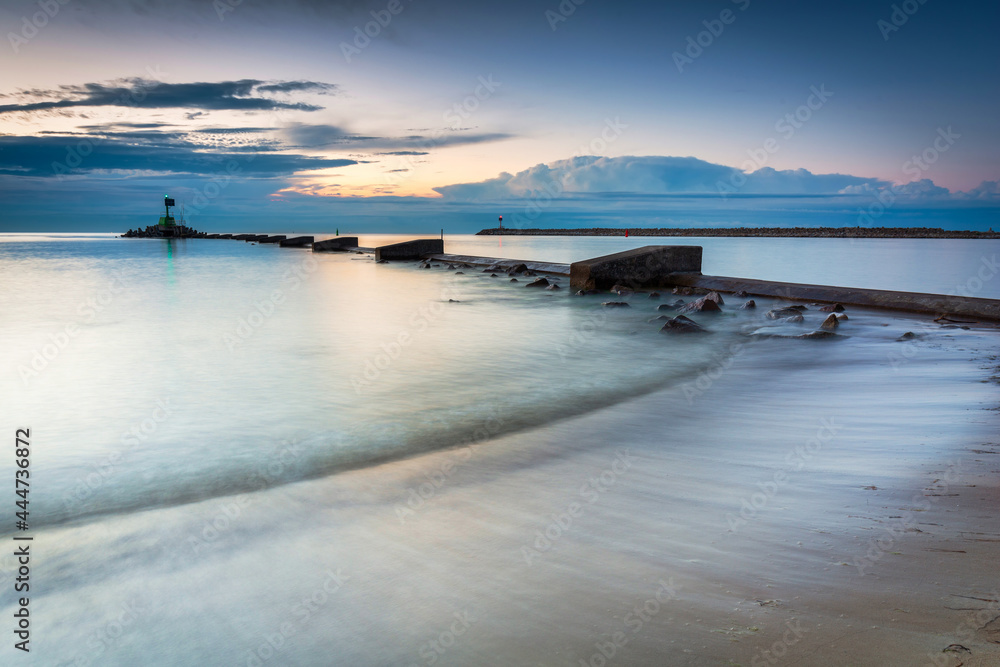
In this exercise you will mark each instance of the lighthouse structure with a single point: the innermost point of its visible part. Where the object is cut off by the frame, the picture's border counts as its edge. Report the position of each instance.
(166, 228)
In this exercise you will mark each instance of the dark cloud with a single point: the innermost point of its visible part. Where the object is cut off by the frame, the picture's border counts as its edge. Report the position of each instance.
(242, 95)
(305, 136)
(50, 156)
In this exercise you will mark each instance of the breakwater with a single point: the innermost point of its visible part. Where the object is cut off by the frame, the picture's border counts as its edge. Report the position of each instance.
(762, 232)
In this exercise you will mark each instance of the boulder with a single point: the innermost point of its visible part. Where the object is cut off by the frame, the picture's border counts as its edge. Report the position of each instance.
(493, 275)
(622, 289)
(682, 325)
(909, 335)
(749, 305)
(701, 305)
(830, 323)
(716, 297)
(553, 287)
(683, 291)
(842, 317)
(799, 307)
(615, 304)
(540, 282)
(654, 295)
(458, 273)
(519, 268)
(514, 280)
(832, 308)
(740, 293)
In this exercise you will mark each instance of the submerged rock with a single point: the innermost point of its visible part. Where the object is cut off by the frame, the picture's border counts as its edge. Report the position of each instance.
(740, 293)
(587, 292)
(671, 306)
(909, 335)
(553, 286)
(654, 295)
(622, 289)
(493, 275)
(460, 273)
(788, 314)
(683, 291)
(514, 280)
(615, 304)
(799, 307)
(813, 335)
(830, 323)
(682, 325)
(832, 308)
(540, 282)
(843, 317)
(749, 305)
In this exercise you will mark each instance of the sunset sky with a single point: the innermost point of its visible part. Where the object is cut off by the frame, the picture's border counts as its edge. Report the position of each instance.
(629, 112)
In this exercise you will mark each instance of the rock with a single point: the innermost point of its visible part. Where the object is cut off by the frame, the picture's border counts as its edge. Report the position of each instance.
(426, 266)
(615, 304)
(514, 280)
(454, 301)
(701, 305)
(622, 289)
(830, 323)
(909, 335)
(553, 287)
(382, 261)
(716, 297)
(519, 268)
(832, 308)
(540, 282)
(654, 295)
(667, 306)
(740, 293)
(452, 267)
(799, 308)
(813, 335)
(493, 275)
(683, 291)
(842, 318)
(457, 273)
(659, 318)
(789, 314)
(587, 292)
(682, 325)
(749, 305)
(529, 272)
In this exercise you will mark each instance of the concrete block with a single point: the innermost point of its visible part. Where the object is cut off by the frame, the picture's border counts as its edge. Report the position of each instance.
(648, 266)
(336, 243)
(273, 239)
(296, 242)
(409, 249)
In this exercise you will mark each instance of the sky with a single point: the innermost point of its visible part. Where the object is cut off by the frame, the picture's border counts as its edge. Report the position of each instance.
(410, 115)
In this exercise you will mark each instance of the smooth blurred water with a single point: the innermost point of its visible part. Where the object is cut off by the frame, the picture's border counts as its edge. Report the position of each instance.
(161, 374)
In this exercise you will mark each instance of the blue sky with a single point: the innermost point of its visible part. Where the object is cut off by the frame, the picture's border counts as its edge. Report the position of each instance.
(447, 113)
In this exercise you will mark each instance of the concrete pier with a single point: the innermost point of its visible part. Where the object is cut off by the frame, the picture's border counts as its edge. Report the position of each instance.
(648, 266)
(410, 249)
(296, 242)
(961, 307)
(339, 243)
(273, 239)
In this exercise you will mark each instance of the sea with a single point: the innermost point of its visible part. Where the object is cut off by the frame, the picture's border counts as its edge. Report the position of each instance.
(242, 454)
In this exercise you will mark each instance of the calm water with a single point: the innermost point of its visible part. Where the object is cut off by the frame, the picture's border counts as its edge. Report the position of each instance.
(219, 427)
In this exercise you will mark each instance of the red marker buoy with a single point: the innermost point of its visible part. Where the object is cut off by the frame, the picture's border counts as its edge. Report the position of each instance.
(626, 233)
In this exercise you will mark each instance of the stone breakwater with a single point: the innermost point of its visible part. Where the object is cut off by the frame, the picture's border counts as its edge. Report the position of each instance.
(764, 232)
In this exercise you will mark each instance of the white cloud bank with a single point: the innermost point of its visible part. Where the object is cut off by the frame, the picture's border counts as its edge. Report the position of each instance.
(662, 175)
